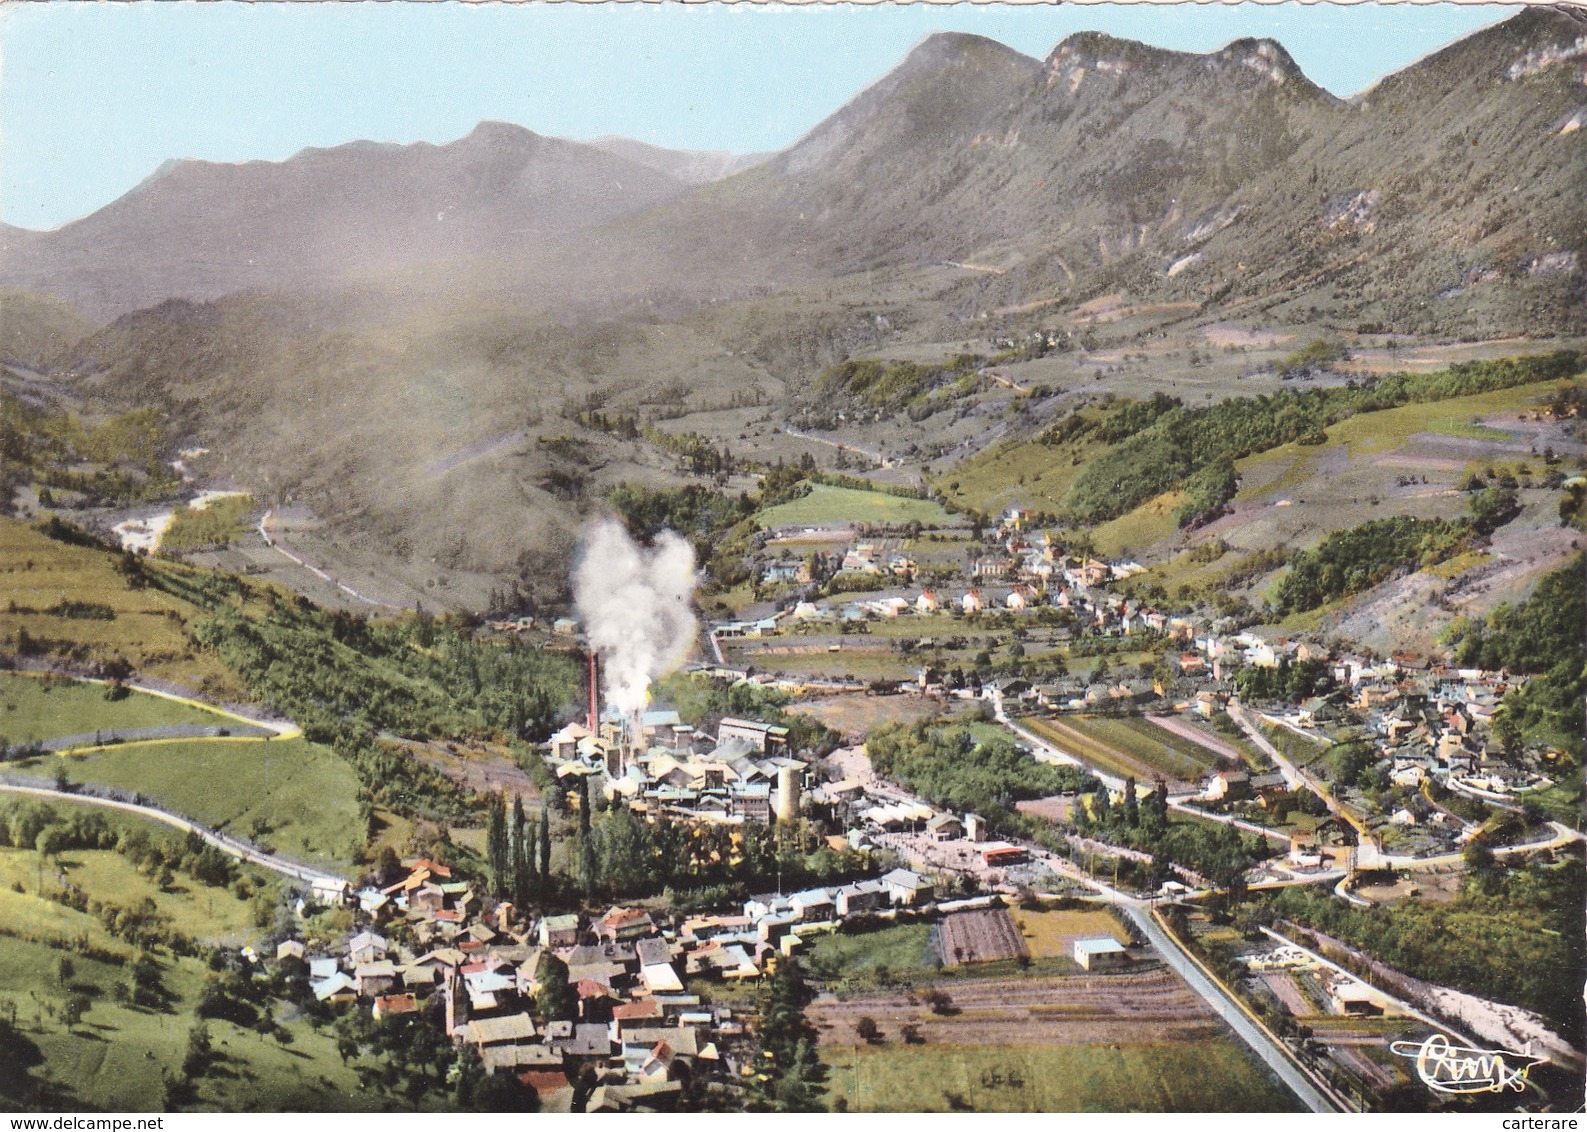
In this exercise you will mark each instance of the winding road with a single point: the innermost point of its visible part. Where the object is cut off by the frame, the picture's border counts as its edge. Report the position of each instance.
(225, 844)
(259, 731)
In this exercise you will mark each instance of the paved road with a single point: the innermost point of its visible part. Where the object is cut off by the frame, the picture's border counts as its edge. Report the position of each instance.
(1265, 1048)
(1139, 911)
(139, 734)
(220, 841)
(868, 453)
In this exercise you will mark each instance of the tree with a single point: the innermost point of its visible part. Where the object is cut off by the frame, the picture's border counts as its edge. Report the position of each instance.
(75, 1007)
(867, 1029)
(387, 868)
(544, 872)
(553, 997)
(496, 848)
(199, 1051)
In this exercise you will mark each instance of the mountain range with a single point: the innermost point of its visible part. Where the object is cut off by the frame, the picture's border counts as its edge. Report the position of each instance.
(346, 322)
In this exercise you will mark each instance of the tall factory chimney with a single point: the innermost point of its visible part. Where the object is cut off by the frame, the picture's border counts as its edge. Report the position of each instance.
(595, 694)
(787, 795)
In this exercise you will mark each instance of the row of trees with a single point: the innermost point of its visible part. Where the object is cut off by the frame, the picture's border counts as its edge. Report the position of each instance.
(1217, 852)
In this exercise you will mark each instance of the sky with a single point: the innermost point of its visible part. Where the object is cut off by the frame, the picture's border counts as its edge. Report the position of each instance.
(94, 96)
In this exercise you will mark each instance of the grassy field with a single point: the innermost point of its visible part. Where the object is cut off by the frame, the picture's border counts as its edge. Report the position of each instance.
(45, 708)
(148, 629)
(210, 915)
(224, 521)
(113, 1059)
(1023, 473)
(1132, 532)
(305, 795)
(1081, 1078)
(1052, 934)
(860, 662)
(1299, 750)
(826, 504)
(1368, 434)
(899, 949)
(1460, 563)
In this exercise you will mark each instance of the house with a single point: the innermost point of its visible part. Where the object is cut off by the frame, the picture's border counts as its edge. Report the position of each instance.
(751, 802)
(1100, 953)
(971, 602)
(654, 1095)
(1268, 785)
(507, 1030)
(813, 905)
(862, 896)
(339, 987)
(375, 978)
(945, 827)
(551, 1087)
(1356, 1000)
(756, 734)
(1227, 785)
(624, 924)
(580, 1040)
(559, 931)
(366, 947)
(655, 966)
(909, 888)
(391, 1005)
(634, 1015)
(289, 948)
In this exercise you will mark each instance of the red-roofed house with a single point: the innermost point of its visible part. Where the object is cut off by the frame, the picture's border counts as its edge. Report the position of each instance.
(390, 1005)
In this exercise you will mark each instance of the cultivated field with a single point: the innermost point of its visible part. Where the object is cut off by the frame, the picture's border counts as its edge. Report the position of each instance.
(979, 937)
(1054, 933)
(1148, 1003)
(1127, 748)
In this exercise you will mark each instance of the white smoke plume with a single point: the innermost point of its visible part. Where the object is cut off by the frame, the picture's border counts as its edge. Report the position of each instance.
(637, 607)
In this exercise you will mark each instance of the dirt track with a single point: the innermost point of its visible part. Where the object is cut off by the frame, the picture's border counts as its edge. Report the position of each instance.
(1144, 1005)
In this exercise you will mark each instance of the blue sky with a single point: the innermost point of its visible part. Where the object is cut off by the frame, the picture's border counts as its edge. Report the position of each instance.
(94, 96)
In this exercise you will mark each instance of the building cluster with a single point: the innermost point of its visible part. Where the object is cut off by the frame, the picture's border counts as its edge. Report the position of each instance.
(635, 1037)
(659, 765)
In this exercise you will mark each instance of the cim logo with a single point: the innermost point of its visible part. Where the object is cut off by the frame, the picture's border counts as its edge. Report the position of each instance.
(1448, 1068)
